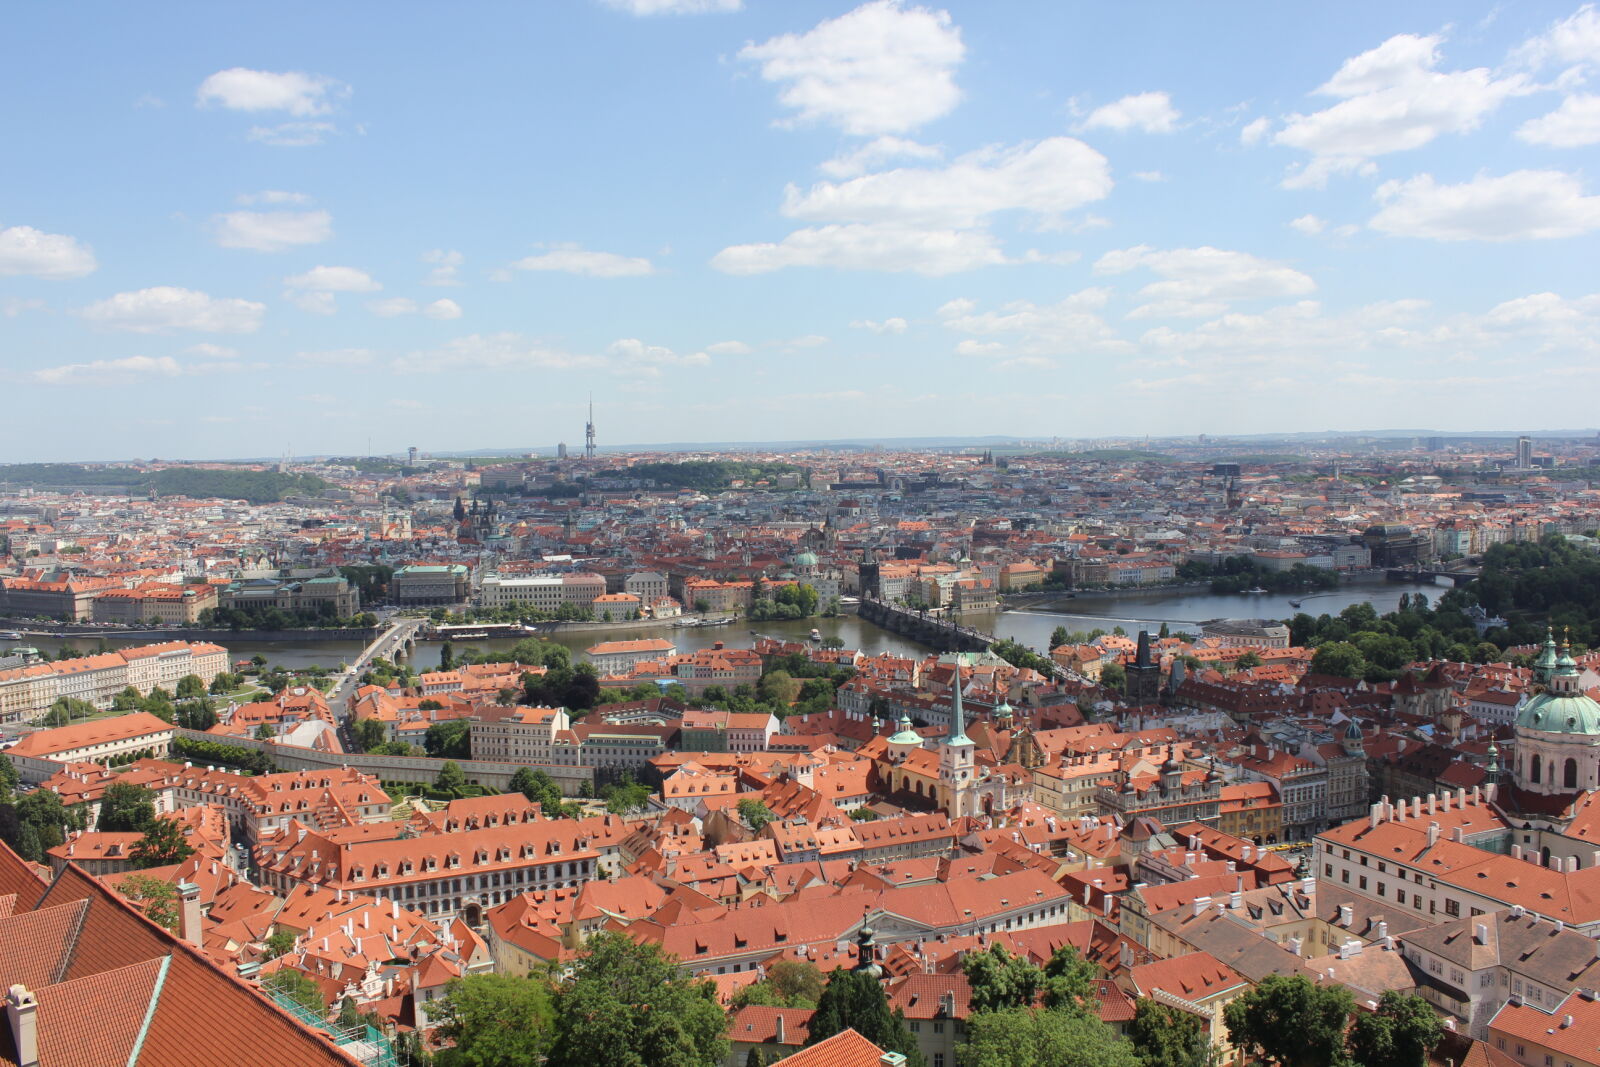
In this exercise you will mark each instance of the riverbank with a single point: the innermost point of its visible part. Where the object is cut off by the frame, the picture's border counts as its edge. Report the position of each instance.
(32, 628)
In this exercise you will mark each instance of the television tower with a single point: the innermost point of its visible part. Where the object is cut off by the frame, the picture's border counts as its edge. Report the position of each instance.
(588, 431)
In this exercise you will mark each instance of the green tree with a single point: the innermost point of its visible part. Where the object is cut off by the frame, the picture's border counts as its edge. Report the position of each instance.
(451, 739)
(1069, 981)
(299, 988)
(855, 1000)
(1247, 661)
(626, 796)
(1164, 1036)
(279, 942)
(126, 808)
(163, 844)
(349, 1016)
(1112, 676)
(1023, 1037)
(368, 733)
(1340, 659)
(627, 1005)
(157, 899)
(494, 1020)
(447, 656)
(755, 813)
(538, 787)
(265, 732)
(1291, 1022)
(1000, 980)
(1400, 1033)
(451, 779)
(788, 984)
(191, 685)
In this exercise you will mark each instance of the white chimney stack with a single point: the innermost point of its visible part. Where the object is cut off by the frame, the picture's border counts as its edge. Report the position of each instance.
(22, 1012)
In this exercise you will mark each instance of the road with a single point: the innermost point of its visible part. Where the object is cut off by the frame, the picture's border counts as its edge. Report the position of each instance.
(382, 647)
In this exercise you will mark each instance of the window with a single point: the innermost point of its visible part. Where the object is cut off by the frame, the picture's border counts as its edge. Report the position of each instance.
(1452, 908)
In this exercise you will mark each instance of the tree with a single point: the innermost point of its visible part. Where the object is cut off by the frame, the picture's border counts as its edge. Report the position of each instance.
(1339, 659)
(451, 779)
(1164, 1036)
(191, 685)
(1023, 1037)
(755, 813)
(126, 808)
(627, 1005)
(1000, 980)
(429, 705)
(349, 1016)
(157, 899)
(788, 984)
(264, 732)
(1059, 636)
(494, 1020)
(1247, 661)
(299, 988)
(447, 656)
(163, 844)
(855, 1000)
(1400, 1033)
(368, 733)
(451, 739)
(280, 942)
(1112, 676)
(1069, 981)
(538, 787)
(1291, 1022)
(626, 796)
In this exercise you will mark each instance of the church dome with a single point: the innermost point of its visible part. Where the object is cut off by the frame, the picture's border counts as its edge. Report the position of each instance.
(804, 559)
(907, 735)
(1560, 713)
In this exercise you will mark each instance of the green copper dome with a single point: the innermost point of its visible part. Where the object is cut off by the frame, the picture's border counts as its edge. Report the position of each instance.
(907, 735)
(1560, 713)
(804, 559)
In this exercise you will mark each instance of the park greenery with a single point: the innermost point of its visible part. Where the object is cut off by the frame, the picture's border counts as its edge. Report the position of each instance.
(227, 483)
(268, 617)
(1291, 1022)
(1238, 574)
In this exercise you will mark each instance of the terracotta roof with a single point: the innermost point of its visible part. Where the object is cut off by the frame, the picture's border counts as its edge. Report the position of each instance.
(844, 1049)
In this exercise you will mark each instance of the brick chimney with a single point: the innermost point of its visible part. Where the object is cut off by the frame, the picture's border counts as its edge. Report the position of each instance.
(22, 1012)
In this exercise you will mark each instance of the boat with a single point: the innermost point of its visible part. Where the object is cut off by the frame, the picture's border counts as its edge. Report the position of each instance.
(10, 635)
(1294, 603)
(1255, 591)
(715, 622)
(816, 634)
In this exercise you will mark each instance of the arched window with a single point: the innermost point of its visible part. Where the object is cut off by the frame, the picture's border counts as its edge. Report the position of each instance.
(1569, 774)
(1550, 771)
(1534, 767)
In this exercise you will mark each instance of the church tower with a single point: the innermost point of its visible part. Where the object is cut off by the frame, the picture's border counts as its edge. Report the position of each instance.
(957, 756)
(1558, 731)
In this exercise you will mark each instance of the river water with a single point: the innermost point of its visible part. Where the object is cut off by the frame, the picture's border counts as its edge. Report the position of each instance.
(1031, 626)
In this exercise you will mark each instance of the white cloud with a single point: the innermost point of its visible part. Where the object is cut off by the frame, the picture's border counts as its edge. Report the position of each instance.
(1572, 125)
(291, 134)
(109, 371)
(12, 306)
(446, 265)
(54, 256)
(810, 340)
(272, 196)
(1522, 205)
(166, 307)
(1309, 225)
(1046, 178)
(675, 7)
(640, 358)
(729, 348)
(1148, 112)
(894, 325)
(333, 280)
(1197, 282)
(338, 357)
(882, 68)
(885, 247)
(1072, 326)
(300, 94)
(571, 259)
(272, 231)
(443, 309)
(1255, 131)
(313, 303)
(1149, 176)
(1575, 39)
(211, 351)
(875, 153)
(1391, 99)
(392, 306)
(496, 351)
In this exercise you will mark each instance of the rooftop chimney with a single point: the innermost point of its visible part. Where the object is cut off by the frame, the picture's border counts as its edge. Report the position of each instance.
(22, 1012)
(1201, 904)
(1350, 948)
(189, 926)
(1346, 915)
(1480, 933)
(778, 1032)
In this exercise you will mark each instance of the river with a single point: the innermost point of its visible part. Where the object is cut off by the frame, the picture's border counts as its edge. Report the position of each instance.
(1030, 626)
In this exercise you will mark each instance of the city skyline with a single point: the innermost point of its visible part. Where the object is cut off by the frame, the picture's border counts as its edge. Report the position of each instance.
(749, 222)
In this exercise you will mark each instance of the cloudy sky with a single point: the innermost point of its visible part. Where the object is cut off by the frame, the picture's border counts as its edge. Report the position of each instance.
(307, 226)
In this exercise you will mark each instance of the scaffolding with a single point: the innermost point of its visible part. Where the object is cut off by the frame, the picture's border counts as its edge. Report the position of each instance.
(365, 1043)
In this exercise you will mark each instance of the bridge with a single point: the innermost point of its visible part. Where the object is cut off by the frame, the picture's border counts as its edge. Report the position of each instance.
(943, 633)
(397, 639)
(1459, 576)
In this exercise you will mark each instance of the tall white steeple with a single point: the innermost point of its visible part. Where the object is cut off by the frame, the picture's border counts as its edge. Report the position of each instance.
(956, 755)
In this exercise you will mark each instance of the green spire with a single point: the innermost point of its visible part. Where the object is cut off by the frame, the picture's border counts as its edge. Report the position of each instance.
(907, 735)
(1546, 664)
(958, 714)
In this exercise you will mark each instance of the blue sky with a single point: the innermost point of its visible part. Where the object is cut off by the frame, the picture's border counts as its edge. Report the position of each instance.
(309, 226)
